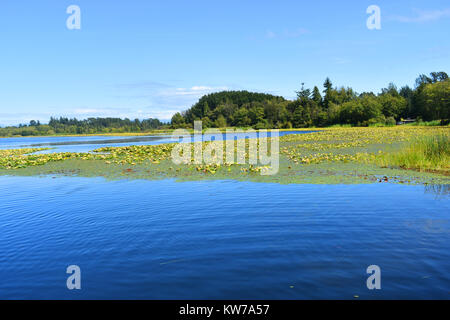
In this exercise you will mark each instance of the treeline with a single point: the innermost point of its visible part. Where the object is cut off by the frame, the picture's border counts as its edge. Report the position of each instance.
(429, 100)
(88, 126)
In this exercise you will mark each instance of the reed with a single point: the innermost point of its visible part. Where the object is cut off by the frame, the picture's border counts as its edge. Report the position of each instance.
(429, 153)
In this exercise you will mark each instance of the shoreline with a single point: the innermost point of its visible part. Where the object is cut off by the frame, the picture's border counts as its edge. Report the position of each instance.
(223, 130)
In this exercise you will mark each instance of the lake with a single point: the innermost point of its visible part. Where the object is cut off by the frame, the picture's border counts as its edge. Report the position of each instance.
(139, 239)
(221, 239)
(89, 143)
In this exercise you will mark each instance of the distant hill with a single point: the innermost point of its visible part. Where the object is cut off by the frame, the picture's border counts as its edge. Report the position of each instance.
(239, 108)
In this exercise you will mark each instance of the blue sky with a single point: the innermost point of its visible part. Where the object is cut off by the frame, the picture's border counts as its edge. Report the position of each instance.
(141, 59)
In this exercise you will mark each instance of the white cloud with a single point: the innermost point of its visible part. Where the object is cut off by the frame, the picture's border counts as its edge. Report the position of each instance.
(165, 114)
(295, 33)
(160, 102)
(147, 84)
(153, 99)
(270, 34)
(201, 88)
(92, 111)
(14, 118)
(423, 16)
(339, 60)
(193, 91)
(287, 33)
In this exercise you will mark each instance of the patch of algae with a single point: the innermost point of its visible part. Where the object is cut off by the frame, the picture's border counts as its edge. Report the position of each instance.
(322, 173)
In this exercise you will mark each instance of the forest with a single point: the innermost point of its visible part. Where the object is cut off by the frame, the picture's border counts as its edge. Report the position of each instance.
(429, 100)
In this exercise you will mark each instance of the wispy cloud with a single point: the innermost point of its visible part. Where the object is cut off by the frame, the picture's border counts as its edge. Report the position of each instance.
(421, 16)
(87, 111)
(339, 60)
(161, 100)
(148, 84)
(14, 118)
(270, 34)
(168, 101)
(196, 91)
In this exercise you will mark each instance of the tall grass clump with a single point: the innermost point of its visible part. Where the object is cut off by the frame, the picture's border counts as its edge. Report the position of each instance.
(434, 123)
(429, 153)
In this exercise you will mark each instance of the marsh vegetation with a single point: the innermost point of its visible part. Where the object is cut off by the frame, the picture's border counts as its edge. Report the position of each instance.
(429, 153)
(404, 154)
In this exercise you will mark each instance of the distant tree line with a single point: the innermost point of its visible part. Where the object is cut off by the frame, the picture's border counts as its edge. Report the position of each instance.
(429, 100)
(88, 126)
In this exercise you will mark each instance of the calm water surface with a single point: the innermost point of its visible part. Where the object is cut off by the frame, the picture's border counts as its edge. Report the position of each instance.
(89, 143)
(221, 239)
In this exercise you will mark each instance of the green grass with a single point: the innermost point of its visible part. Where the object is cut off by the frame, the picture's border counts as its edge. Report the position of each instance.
(424, 154)
(434, 123)
(340, 126)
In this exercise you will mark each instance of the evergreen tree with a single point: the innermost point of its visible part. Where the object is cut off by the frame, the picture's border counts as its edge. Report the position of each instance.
(316, 96)
(328, 85)
(328, 89)
(303, 94)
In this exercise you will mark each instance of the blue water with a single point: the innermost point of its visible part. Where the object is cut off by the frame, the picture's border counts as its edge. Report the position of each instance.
(81, 143)
(89, 143)
(221, 239)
